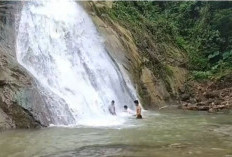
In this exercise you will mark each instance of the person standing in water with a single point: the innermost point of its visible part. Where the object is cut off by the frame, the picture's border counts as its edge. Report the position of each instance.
(138, 110)
(112, 108)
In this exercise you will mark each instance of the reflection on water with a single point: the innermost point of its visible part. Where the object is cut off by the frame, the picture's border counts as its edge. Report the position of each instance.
(176, 134)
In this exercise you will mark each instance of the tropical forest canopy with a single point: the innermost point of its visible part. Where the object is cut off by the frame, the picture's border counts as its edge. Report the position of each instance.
(202, 29)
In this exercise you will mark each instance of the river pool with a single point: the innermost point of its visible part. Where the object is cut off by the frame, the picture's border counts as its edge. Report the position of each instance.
(159, 134)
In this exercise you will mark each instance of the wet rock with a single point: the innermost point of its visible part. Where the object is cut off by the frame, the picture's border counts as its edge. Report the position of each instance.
(12, 115)
(192, 100)
(201, 104)
(14, 80)
(212, 110)
(203, 108)
(214, 94)
(5, 121)
(185, 97)
(209, 101)
(217, 101)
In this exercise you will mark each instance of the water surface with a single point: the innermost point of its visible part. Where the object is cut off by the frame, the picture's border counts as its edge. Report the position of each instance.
(165, 134)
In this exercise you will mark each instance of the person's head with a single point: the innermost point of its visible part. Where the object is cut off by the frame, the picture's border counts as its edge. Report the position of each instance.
(136, 103)
(112, 102)
(125, 107)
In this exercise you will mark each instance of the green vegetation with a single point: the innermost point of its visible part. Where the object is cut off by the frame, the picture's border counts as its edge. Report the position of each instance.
(202, 29)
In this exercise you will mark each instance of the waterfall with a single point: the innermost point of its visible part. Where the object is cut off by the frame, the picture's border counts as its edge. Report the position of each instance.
(59, 45)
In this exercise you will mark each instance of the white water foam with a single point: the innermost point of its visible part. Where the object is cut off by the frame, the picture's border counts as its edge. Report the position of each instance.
(59, 45)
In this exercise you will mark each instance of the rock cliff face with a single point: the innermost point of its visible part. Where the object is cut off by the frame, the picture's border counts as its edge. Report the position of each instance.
(157, 73)
(14, 80)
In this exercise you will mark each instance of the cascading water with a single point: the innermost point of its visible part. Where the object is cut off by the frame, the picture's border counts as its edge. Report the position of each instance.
(59, 45)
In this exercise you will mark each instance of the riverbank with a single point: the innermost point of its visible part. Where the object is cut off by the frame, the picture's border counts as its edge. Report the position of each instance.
(212, 96)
